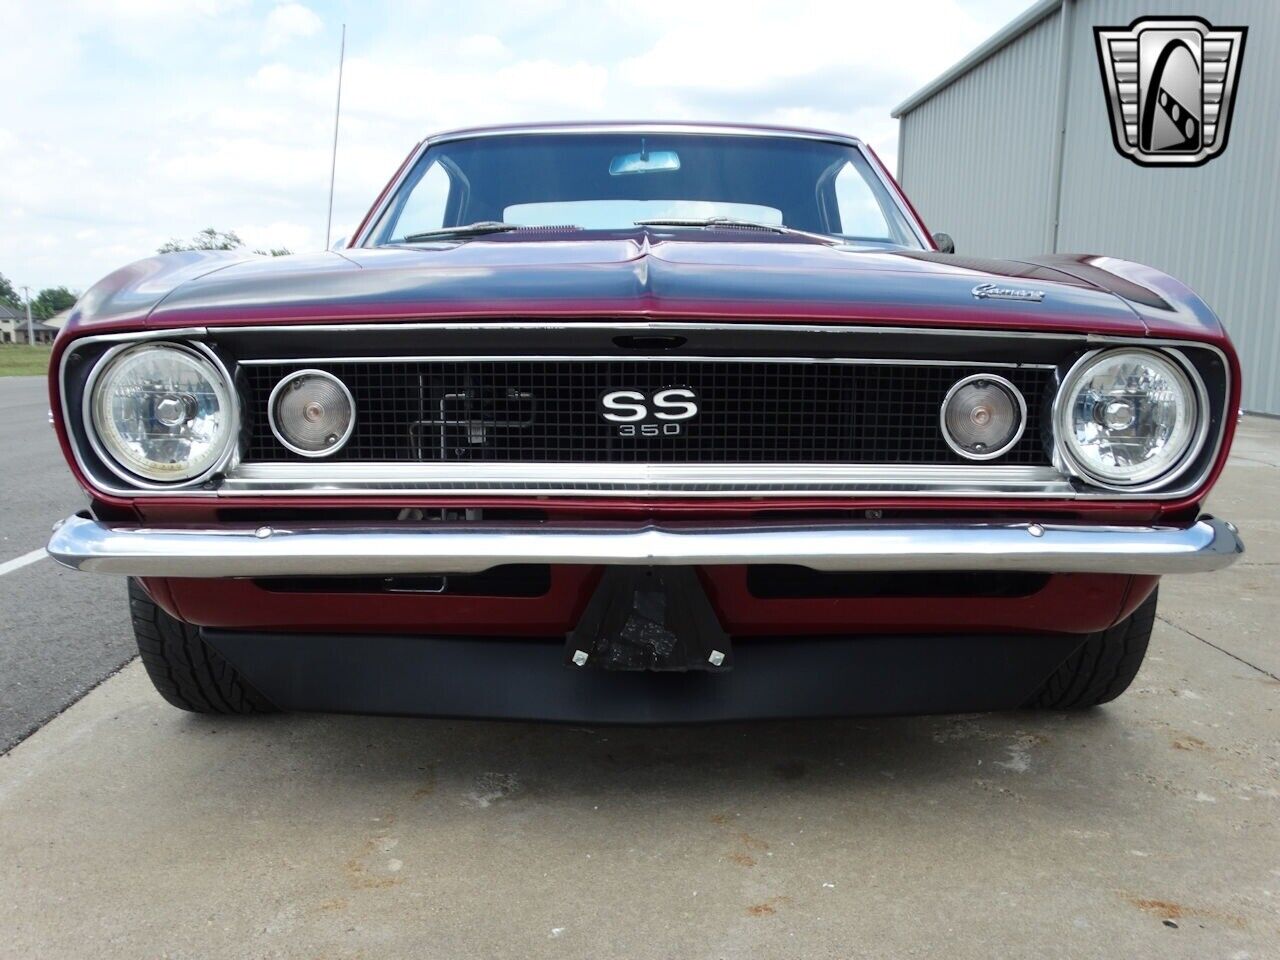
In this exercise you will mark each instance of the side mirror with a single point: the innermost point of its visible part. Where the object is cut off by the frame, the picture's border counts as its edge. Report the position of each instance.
(338, 244)
(944, 242)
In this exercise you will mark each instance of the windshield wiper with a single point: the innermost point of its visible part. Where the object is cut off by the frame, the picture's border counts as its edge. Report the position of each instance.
(477, 229)
(734, 222)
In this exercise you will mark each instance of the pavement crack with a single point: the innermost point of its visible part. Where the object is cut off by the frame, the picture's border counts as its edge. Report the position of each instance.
(1261, 463)
(1210, 643)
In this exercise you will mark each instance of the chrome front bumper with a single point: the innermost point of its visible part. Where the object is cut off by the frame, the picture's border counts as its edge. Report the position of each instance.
(342, 550)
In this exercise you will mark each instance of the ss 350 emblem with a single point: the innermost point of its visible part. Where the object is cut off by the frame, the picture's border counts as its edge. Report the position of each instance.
(659, 413)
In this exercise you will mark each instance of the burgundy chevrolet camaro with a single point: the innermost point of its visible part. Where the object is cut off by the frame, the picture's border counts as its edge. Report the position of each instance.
(642, 423)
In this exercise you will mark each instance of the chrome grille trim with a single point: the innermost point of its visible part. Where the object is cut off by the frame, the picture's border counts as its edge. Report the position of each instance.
(643, 358)
(629, 324)
(644, 480)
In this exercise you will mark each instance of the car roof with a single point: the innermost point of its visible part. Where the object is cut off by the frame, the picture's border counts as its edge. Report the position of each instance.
(643, 126)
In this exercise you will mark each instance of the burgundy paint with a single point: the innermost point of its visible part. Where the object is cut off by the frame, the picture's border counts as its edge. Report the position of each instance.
(1069, 603)
(242, 604)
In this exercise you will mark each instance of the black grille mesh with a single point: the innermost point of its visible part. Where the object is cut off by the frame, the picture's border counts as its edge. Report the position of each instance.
(548, 410)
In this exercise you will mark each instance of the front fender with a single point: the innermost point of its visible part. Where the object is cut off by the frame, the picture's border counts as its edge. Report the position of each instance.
(128, 295)
(1166, 305)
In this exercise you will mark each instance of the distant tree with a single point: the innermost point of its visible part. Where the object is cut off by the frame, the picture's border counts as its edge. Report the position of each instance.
(51, 301)
(8, 294)
(211, 239)
(206, 239)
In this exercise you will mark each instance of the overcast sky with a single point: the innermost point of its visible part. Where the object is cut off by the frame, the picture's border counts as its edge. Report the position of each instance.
(127, 122)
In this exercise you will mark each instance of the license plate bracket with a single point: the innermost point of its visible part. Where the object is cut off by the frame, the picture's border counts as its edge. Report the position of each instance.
(650, 619)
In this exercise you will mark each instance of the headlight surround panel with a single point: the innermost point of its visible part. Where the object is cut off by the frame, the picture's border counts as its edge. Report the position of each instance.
(125, 438)
(1138, 436)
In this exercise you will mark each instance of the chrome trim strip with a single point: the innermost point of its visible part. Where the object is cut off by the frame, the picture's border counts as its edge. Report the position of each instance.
(671, 126)
(627, 325)
(445, 548)
(374, 217)
(643, 480)
(644, 358)
(898, 198)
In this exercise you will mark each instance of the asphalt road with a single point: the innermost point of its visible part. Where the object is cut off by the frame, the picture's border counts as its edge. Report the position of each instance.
(60, 632)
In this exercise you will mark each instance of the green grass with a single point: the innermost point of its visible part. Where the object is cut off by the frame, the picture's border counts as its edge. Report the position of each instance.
(20, 360)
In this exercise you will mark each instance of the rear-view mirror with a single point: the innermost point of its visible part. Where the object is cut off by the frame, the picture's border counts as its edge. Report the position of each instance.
(646, 161)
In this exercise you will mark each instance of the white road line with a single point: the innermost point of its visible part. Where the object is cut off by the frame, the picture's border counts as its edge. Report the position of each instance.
(19, 562)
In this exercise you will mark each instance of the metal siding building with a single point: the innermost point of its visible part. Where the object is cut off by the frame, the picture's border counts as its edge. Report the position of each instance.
(1011, 153)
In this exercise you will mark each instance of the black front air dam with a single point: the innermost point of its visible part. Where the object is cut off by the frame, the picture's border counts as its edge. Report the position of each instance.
(521, 679)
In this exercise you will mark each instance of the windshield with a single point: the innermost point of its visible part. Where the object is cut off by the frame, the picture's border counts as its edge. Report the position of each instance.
(608, 181)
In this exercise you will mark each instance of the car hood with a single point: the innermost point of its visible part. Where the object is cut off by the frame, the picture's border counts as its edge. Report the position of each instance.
(642, 277)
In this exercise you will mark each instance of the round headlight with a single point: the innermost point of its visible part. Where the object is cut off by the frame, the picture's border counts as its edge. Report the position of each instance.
(312, 413)
(983, 416)
(161, 412)
(1126, 417)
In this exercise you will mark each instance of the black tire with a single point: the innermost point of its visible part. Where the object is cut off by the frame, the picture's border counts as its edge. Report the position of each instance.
(1103, 667)
(185, 670)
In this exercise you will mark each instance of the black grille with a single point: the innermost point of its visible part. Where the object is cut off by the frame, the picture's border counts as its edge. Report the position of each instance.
(549, 410)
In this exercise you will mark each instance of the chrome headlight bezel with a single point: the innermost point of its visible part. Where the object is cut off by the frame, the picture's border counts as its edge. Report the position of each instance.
(1064, 400)
(216, 370)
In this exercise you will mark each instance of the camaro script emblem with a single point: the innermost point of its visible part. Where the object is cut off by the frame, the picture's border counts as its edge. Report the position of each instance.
(993, 291)
(1170, 85)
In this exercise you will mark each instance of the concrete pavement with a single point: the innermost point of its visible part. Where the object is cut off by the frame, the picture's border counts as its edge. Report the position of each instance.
(1148, 828)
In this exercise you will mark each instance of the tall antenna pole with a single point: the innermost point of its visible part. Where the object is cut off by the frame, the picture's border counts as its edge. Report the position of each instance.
(26, 295)
(337, 112)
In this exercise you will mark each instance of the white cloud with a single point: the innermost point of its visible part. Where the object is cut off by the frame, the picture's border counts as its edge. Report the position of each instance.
(280, 78)
(481, 46)
(576, 86)
(228, 163)
(287, 22)
(279, 233)
(731, 45)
